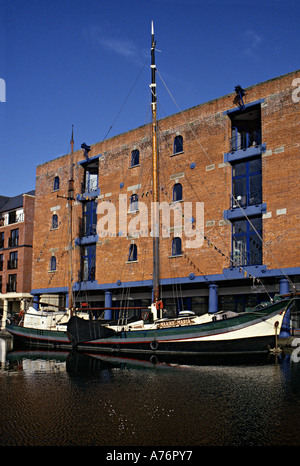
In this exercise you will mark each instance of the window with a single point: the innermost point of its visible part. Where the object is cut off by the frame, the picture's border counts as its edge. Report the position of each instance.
(178, 145)
(12, 217)
(12, 283)
(134, 201)
(135, 158)
(14, 238)
(246, 129)
(239, 303)
(89, 218)
(13, 260)
(1, 262)
(176, 246)
(54, 221)
(1, 240)
(0, 283)
(56, 184)
(247, 183)
(177, 192)
(53, 263)
(246, 244)
(132, 256)
(88, 263)
(91, 177)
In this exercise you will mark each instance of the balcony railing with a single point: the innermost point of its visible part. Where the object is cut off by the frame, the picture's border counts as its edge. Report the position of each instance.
(243, 140)
(244, 258)
(86, 275)
(248, 199)
(89, 186)
(89, 229)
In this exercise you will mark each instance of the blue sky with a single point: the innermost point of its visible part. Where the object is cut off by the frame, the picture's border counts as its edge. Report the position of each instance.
(86, 63)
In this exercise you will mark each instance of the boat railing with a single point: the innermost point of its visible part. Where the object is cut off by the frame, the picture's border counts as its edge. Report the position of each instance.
(245, 139)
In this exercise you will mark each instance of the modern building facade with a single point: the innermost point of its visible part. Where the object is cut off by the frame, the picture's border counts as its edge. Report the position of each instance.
(16, 238)
(230, 208)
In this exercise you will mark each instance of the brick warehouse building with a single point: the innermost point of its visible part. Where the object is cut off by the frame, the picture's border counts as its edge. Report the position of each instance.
(236, 155)
(16, 236)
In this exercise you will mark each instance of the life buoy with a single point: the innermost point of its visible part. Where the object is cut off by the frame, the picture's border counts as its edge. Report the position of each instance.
(154, 345)
(21, 314)
(159, 305)
(145, 315)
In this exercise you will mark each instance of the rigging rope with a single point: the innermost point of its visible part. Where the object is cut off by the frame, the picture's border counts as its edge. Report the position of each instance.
(127, 97)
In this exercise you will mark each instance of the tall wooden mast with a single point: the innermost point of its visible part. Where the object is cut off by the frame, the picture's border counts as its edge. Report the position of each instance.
(70, 207)
(155, 204)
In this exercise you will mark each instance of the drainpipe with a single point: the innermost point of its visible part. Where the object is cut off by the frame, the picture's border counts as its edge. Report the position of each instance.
(108, 303)
(213, 298)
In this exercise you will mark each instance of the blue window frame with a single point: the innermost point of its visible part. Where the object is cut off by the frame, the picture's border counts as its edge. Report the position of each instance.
(178, 145)
(246, 244)
(135, 158)
(54, 221)
(56, 183)
(132, 256)
(177, 192)
(88, 259)
(53, 263)
(176, 246)
(89, 218)
(247, 183)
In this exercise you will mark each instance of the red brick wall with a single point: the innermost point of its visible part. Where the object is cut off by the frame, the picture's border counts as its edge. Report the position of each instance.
(206, 132)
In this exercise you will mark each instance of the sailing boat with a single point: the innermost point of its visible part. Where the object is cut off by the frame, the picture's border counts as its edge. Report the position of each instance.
(254, 331)
(42, 326)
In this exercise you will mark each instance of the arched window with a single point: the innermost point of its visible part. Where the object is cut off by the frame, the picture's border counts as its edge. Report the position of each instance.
(134, 202)
(176, 246)
(177, 192)
(54, 221)
(178, 144)
(132, 256)
(56, 183)
(53, 263)
(135, 158)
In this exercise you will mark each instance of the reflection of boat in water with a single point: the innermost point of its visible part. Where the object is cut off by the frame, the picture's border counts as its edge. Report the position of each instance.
(37, 361)
(81, 363)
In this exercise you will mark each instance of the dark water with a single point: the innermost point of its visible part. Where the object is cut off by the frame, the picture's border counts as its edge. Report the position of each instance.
(62, 399)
